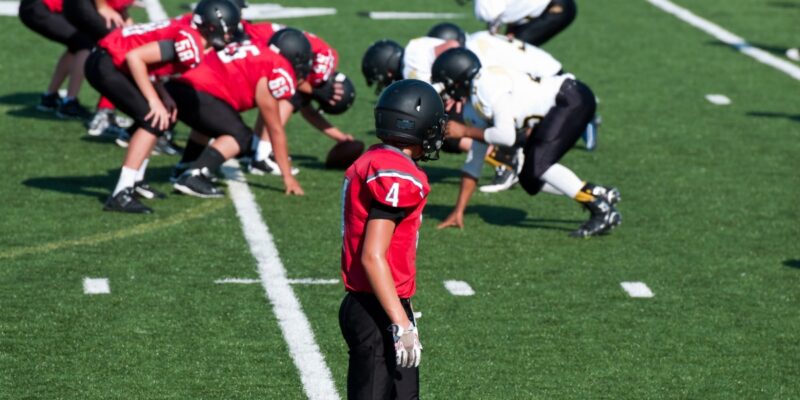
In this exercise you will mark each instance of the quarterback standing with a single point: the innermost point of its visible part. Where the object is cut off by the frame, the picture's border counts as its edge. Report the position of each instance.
(383, 196)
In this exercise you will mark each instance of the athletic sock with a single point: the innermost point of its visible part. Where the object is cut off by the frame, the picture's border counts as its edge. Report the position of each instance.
(263, 149)
(548, 188)
(210, 158)
(192, 151)
(563, 179)
(127, 178)
(141, 171)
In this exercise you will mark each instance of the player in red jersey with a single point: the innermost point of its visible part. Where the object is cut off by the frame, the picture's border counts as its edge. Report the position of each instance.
(383, 196)
(243, 76)
(45, 17)
(121, 68)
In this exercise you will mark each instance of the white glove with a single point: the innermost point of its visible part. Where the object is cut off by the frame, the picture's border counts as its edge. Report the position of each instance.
(407, 348)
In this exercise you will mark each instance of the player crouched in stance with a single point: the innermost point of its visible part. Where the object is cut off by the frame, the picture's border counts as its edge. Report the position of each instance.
(502, 106)
(384, 193)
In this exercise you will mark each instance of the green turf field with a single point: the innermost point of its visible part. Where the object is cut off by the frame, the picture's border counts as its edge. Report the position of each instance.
(710, 225)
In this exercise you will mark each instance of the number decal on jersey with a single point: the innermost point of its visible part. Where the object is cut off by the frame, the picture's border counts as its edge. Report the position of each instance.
(392, 196)
(185, 50)
(232, 53)
(279, 86)
(140, 29)
(322, 64)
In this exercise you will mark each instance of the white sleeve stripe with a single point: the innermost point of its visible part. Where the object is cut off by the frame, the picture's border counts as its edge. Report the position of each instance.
(194, 45)
(395, 174)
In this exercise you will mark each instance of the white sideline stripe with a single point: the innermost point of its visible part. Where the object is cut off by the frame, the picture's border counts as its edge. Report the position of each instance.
(96, 286)
(276, 11)
(412, 15)
(314, 373)
(718, 99)
(155, 11)
(728, 37)
(459, 288)
(9, 8)
(637, 289)
(302, 281)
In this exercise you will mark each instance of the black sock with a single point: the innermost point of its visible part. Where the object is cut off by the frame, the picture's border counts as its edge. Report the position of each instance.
(192, 151)
(210, 158)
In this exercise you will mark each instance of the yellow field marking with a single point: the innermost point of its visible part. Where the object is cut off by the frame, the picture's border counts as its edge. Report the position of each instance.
(203, 209)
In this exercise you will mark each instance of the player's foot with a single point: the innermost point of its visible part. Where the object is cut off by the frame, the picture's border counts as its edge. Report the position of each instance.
(591, 132)
(165, 145)
(125, 201)
(197, 182)
(73, 109)
(793, 54)
(144, 190)
(99, 122)
(504, 178)
(267, 166)
(604, 217)
(48, 102)
(121, 121)
(123, 137)
(177, 171)
(610, 194)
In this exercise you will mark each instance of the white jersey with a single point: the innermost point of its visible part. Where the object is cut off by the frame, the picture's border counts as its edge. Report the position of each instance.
(500, 50)
(498, 12)
(418, 58)
(510, 100)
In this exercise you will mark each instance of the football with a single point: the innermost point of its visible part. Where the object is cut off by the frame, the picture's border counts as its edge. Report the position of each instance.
(343, 154)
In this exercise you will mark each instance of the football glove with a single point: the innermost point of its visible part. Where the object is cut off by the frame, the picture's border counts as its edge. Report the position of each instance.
(407, 348)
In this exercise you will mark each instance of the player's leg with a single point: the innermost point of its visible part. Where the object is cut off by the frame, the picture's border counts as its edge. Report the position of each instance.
(507, 162)
(537, 31)
(263, 161)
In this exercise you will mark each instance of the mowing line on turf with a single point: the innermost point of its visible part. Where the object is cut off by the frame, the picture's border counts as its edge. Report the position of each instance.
(199, 211)
(314, 373)
(728, 37)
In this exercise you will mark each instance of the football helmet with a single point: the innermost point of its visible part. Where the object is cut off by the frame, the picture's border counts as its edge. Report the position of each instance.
(295, 47)
(448, 31)
(217, 21)
(325, 93)
(455, 69)
(411, 112)
(383, 64)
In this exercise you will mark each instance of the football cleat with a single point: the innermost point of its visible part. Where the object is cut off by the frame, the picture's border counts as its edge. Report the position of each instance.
(165, 145)
(590, 134)
(609, 194)
(604, 217)
(125, 201)
(197, 182)
(506, 172)
(121, 121)
(504, 179)
(123, 137)
(73, 109)
(99, 122)
(144, 190)
(48, 102)
(267, 166)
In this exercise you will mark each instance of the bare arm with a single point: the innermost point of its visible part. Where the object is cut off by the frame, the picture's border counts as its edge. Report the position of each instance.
(456, 217)
(112, 17)
(138, 59)
(313, 117)
(270, 112)
(377, 238)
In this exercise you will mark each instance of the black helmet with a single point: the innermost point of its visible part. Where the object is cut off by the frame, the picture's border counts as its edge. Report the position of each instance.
(216, 18)
(382, 64)
(411, 112)
(448, 31)
(455, 69)
(324, 94)
(293, 45)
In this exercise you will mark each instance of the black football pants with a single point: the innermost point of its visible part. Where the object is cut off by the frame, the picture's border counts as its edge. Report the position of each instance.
(83, 15)
(54, 26)
(557, 133)
(537, 31)
(372, 373)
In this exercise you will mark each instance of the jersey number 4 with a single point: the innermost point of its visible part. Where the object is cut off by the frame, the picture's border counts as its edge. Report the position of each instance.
(392, 196)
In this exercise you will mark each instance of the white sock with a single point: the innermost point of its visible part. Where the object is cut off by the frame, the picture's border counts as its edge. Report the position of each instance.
(263, 150)
(562, 179)
(548, 188)
(127, 178)
(141, 171)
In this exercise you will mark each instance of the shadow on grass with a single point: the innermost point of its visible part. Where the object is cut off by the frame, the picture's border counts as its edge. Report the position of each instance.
(769, 114)
(792, 263)
(779, 51)
(28, 101)
(784, 4)
(97, 186)
(505, 216)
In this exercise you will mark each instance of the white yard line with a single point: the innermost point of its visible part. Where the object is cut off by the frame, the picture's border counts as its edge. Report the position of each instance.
(96, 286)
(459, 288)
(301, 281)
(383, 15)
(155, 11)
(637, 289)
(728, 37)
(314, 373)
(718, 99)
(9, 8)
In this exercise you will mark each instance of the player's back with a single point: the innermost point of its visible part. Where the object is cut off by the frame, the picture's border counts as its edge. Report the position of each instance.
(418, 57)
(503, 51)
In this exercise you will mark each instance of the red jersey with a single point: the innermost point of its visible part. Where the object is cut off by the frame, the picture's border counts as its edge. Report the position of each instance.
(325, 57)
(119, 5)
(188, 45)
(232, 74)
(384, 175)
(56, 6)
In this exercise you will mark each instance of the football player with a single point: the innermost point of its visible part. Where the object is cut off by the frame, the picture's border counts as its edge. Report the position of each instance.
(45, 17)
(243, 76)
(532, 21)
(502, 107)
(384, 193)
(121, 68)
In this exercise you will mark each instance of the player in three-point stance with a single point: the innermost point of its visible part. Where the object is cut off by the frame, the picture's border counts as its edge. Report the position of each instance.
(383, 196)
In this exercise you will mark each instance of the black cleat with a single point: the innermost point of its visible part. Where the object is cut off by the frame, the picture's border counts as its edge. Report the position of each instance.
(73, 109)
(165, 145)
(125, 201)
(49, 102)
(267, 166)
(604, 218)
(508, 164)
(610, 194)
(197, 182)
(143, 189)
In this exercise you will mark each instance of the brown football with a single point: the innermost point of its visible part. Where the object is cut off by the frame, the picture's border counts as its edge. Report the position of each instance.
(343, 154)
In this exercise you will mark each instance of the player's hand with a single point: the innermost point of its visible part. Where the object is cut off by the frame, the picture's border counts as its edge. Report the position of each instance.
(454, 220)
(346, 137)
(172, 108)
(338, 92)
(455, 130)
(292, 186)
(450, 104)
(407, 348)
(111, 16)
(158, 116)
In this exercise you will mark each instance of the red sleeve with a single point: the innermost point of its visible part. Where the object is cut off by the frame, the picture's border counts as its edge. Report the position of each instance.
(394, 187)
(188, 52)
(325, 60)
(281, 82)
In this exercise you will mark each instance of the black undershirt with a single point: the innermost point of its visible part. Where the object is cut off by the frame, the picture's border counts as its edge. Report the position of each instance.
(379, 210)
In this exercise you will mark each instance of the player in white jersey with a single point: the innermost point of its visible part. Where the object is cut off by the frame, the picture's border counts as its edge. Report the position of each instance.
(532, 21)
(547, 114)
